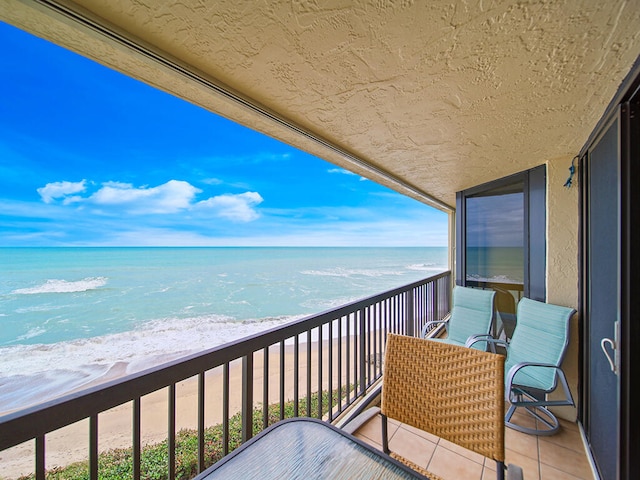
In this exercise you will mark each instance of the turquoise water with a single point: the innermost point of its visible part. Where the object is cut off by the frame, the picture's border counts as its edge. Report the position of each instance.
(83, 310)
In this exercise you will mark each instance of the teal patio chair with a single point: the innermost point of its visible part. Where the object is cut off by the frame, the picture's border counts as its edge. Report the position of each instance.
(533, 363)
(471, 314)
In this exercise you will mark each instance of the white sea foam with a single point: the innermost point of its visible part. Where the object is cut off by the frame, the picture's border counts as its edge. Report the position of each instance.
(64, 286)
(39, 308)
(34, 332)
(328, 303)
(27, 375)
(348, 273)
(424, 267)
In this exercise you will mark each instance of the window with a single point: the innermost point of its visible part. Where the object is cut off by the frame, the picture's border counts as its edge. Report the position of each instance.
(501, 241)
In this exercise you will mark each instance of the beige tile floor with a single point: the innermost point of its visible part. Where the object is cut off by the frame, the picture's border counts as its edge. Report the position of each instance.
(558, 457)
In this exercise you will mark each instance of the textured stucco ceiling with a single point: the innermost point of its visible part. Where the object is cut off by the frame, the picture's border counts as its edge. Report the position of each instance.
(441, 95)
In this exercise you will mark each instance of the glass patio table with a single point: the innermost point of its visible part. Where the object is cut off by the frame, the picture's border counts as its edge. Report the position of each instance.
(306, 448)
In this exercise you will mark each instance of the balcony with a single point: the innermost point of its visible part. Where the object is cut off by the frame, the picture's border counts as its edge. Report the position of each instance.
(559, 457)
(256, 382)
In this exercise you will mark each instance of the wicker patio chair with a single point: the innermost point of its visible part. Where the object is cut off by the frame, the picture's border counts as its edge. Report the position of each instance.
(453, 392)
(471, 314)
(533, 363)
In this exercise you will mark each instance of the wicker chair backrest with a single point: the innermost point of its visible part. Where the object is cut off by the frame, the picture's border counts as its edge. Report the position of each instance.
(453, 392)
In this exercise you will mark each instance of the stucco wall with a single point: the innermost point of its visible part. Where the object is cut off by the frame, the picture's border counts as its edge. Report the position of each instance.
(562, 261)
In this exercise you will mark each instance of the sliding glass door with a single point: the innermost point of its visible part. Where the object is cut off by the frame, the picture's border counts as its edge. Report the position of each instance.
(610, 304)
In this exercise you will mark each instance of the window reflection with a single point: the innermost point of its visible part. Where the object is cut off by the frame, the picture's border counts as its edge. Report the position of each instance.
(495, 246)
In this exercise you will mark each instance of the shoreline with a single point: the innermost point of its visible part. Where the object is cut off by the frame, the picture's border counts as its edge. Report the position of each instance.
(70, 444)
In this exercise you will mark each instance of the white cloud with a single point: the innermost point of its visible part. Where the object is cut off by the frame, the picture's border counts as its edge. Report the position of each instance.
(170, 197)
(54, 190)
(237, 208)
(72, 199)
(342, 171)
(212, 181)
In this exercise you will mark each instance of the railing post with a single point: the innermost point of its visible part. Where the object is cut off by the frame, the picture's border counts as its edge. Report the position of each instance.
(265, 387)
(282, 367)
(201, 444)
(225, 408)
(308, 373)
(137, 438)
(435, 308)
(171, 430)
(296, 376)
(409, 320)
(247, 397)
(40, 458)
(362, 357)
(93, 447)
(449, 296)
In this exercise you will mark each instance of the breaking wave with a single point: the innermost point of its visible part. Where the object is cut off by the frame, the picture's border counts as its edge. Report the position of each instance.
(35, 373)
(63, 286)
(352, 272)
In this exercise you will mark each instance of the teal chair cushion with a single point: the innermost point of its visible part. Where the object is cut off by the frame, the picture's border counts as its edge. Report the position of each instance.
(541, 336)
(471, 314)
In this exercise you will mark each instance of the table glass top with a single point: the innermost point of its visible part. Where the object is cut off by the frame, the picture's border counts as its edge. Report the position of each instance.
(307, 450)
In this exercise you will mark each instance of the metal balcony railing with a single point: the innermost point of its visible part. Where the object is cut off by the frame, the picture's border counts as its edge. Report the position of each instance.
(338, 351)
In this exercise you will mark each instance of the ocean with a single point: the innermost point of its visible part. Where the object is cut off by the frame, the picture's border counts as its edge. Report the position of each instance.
(69, 315)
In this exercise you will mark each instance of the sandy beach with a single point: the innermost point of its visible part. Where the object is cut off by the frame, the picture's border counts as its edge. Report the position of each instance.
(70, 444)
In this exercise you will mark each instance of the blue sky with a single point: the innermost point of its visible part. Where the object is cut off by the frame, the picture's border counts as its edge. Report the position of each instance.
(91, 157)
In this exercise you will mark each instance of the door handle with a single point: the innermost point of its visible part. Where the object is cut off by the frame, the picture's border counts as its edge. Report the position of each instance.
(614, 362)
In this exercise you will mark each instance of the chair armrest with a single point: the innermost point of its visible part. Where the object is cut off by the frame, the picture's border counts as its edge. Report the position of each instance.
(426, 329)
(560, 375)
(485, 337)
